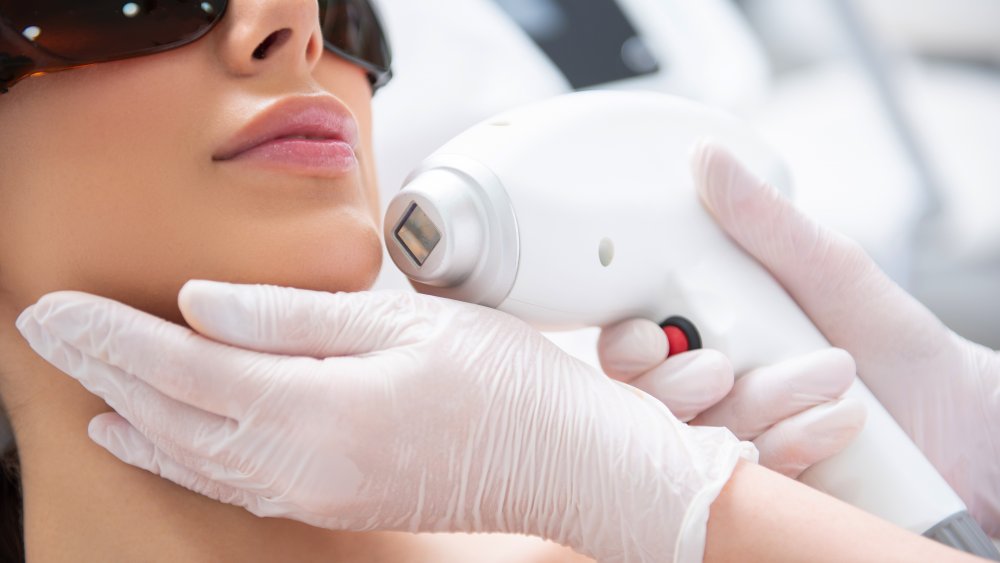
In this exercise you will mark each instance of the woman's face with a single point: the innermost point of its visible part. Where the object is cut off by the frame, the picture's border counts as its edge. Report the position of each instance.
(111, 183)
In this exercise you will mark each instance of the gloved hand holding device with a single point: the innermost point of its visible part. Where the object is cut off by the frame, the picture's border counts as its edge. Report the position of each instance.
(389, 410)
(602, 181)
(942, 389)
(793, 411)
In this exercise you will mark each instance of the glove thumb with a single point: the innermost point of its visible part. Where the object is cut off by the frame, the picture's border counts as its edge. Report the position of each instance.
(295, 322)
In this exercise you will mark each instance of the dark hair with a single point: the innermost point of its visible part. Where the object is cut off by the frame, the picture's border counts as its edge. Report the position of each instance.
(11, 508)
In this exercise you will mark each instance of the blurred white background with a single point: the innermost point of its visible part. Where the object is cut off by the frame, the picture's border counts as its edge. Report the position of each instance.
(888, 111)
(889, 114)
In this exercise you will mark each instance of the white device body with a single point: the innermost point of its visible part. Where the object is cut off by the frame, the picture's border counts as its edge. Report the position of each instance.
(581, 211)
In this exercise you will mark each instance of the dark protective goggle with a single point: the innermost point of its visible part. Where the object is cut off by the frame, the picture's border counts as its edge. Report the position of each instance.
(50, 35)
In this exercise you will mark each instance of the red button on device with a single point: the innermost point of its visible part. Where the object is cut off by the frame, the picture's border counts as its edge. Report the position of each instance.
(677, 339)
(682, 335)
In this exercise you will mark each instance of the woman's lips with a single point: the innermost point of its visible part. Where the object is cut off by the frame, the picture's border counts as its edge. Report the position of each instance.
(323, 157)
(311, 135)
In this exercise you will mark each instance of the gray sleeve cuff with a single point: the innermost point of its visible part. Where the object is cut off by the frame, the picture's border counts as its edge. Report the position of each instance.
(963, 533)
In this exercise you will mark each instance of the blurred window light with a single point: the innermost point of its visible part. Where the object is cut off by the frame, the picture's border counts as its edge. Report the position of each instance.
(543, 20)
(591, 41)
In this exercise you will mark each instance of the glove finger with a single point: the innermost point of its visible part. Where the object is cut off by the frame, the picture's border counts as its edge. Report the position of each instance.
(689, 383)
(765, 396)
(124, 441)
(298, 322)
(795, 444)
(176, 361)
(813, 264)
(631, 348)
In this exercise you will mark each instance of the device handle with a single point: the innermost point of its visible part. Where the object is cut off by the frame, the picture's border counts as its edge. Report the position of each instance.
(739, 309)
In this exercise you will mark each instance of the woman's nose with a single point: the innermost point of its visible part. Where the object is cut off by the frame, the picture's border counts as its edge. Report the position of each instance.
(270, 38)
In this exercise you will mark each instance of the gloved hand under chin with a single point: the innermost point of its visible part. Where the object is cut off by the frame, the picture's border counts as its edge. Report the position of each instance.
(942, 389)
(388, 410)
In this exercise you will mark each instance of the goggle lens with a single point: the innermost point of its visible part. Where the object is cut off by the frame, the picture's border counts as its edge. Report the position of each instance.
(352, 29)
(85, 32)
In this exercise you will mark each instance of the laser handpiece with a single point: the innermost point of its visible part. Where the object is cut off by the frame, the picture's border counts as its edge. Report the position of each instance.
(558, 213)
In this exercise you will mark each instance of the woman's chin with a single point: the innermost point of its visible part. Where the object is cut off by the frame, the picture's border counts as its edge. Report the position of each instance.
(344, 269)
(333, 270)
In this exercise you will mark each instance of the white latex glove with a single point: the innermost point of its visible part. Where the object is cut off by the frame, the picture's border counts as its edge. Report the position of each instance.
(388, 410)
(794, 411)
(942, 389)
